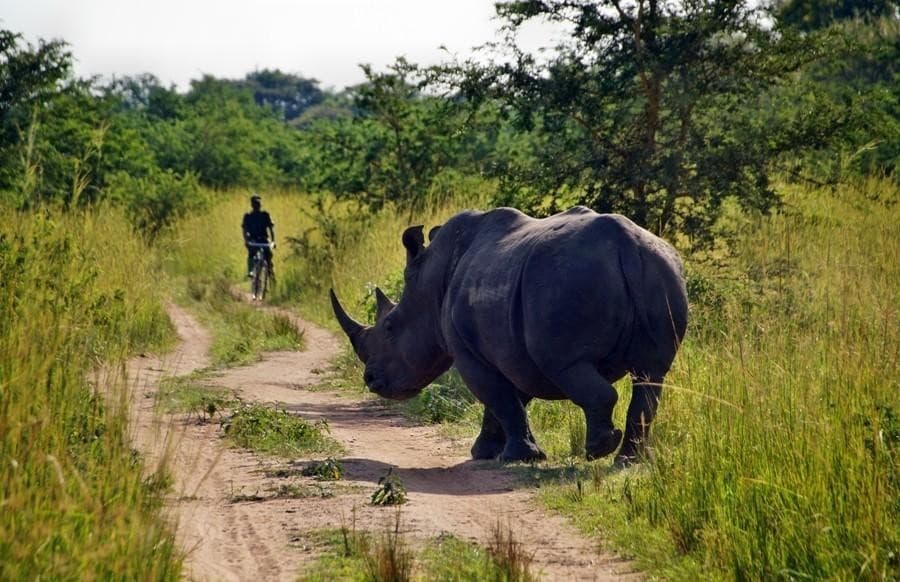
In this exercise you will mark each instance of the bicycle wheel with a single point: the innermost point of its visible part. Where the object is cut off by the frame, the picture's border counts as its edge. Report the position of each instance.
(256, 281)
(263, 281)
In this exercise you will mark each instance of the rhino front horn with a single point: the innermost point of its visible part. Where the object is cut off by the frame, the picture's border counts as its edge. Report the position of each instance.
(350, 326)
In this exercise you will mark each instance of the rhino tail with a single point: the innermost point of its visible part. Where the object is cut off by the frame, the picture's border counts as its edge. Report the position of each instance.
(631, 264)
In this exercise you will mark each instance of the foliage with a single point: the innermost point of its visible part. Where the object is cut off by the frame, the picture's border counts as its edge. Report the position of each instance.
(654, 110)
(817, 14)
(77, 502)
(390, 490)
(397, 145)
(328, 470)
(278, 432)
(154, 202)
(866, 78)
(289, 95)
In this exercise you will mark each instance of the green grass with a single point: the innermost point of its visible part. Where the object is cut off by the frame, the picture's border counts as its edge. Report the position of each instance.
(192, 394)
(76, 290)
(270, 430)
(351, 555)
(240, 331)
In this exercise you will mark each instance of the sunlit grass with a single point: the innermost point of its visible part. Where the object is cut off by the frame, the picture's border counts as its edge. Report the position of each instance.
(75, 503)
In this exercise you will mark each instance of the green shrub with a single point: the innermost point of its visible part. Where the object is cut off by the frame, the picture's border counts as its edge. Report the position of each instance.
(270, 430)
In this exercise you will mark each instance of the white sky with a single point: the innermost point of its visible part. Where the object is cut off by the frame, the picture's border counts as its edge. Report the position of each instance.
(179, 40)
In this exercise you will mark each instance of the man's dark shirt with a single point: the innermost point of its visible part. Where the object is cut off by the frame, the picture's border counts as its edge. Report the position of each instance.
(255, 225)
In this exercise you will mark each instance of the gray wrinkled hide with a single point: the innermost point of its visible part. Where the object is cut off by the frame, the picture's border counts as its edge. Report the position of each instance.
(556, 308)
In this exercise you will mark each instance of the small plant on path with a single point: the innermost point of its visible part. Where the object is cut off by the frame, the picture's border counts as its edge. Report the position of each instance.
(328, 470)
(390, 490)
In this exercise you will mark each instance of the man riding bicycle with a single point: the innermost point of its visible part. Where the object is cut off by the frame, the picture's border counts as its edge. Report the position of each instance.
(256, 227)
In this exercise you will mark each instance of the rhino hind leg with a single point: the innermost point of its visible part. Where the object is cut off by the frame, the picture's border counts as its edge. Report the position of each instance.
(645, 395)
(584, 386)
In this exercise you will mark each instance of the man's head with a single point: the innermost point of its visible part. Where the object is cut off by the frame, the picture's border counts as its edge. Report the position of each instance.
(255, 202)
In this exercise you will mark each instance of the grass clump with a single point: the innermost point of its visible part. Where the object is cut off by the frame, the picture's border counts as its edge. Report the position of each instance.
(269, 430)
(353, 555)
(191, 395)
(76, 501)
(390, 490)
(508, 556)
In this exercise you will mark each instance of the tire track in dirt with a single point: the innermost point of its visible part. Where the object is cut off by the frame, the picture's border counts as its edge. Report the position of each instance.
(271, 539)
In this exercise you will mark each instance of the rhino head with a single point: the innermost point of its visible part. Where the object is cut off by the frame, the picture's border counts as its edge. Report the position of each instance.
(401, 352)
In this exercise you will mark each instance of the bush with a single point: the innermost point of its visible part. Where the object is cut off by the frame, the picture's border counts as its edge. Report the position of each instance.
(270, 430)
(154, 202)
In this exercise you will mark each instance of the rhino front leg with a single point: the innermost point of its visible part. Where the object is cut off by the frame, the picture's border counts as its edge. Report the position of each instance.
(584, 386)
(504, 406)
(491, 440)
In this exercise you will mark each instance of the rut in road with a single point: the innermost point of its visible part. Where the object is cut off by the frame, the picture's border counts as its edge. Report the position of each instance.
(269, 539)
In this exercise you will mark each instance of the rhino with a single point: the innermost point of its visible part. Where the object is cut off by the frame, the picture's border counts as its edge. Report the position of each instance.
(552, 308)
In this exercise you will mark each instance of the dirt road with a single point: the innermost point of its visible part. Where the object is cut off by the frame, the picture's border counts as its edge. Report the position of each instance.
(234, 524)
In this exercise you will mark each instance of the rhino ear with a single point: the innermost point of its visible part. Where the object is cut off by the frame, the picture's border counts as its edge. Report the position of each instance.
(414, 241)
(433, 233)
(383, 305)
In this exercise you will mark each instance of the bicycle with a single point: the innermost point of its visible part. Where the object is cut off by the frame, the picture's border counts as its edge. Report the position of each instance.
(262, 275)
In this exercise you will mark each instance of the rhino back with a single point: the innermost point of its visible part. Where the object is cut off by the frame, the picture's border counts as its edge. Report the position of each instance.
(533, 296)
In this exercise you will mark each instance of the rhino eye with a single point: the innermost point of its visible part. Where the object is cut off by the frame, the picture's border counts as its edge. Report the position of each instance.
(388, 326)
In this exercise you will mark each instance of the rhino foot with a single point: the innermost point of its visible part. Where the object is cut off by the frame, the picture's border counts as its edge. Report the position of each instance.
(604, 444)
(487, 447)
(525, 451)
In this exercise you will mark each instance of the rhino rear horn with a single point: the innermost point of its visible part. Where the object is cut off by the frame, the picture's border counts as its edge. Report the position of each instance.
(350, 326)
(414, 241)
(383, 304)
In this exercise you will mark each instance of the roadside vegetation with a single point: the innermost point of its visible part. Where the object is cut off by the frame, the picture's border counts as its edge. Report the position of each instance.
(351, 555)
(77, 290)
(762, 139)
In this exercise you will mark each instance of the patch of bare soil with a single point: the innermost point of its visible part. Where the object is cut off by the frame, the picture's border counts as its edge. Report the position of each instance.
(239, 519)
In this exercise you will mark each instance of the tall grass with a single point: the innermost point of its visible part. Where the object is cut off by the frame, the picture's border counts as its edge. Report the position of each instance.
(74, 504)
(777, 449)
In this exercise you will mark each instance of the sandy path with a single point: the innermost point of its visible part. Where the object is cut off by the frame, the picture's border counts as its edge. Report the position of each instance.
(269, 539)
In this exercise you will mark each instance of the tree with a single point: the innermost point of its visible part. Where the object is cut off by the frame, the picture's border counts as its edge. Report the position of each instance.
(394, 147)
(810, 15)
(653, 109)
(29, 77)
(289, 95)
